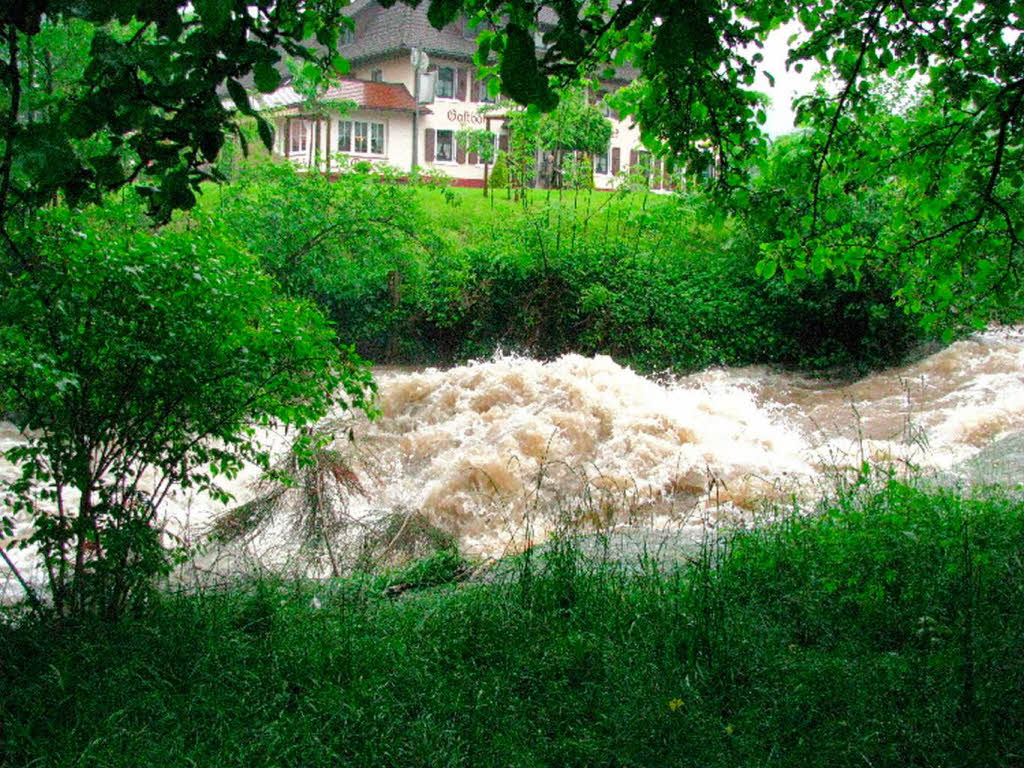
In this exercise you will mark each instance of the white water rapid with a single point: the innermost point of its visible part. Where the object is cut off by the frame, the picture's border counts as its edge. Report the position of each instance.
(496, 451)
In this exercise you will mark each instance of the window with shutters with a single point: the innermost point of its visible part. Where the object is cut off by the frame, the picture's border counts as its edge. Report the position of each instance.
(483, 94)
(445, 83)
(643, 166)
(445, 152)
(601, 163)
(360, 137)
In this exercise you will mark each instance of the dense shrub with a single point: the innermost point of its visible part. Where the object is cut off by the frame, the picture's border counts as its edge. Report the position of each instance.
(656, 288)
(351, 244)
(134, 361)
(658, 282)
(499, 174)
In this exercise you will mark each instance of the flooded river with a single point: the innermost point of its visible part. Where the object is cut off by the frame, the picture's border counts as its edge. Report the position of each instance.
(498, 453)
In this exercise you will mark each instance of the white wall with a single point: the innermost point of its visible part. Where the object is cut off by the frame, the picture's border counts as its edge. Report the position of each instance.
(397, 139)
(449, 114)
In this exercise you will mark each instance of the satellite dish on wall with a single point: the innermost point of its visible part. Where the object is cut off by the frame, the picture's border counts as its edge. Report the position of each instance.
(420, 60)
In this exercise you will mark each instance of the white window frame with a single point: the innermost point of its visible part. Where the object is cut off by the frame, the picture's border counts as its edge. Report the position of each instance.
(374, 125)
(437, 146)
(367, 128)
(454, 82)
(348, 133)
(360, 133)
(302, 147)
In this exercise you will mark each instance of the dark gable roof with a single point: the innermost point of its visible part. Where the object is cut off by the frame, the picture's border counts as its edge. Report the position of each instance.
(383, 32)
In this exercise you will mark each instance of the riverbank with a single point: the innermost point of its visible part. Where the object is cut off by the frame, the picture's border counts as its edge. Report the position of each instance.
(884, 631)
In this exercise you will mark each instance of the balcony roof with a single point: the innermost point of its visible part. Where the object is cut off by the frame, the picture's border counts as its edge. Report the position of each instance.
(365, 94)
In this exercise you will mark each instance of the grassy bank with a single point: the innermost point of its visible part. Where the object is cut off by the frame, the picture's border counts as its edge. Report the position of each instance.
(885, 632)
(432, 275)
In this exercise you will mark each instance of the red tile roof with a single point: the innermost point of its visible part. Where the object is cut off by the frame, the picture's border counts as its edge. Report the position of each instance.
(365, 94)
(372, 95)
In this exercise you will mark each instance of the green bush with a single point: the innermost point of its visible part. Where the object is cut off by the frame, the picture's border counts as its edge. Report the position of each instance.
(499, 173)
(351, 245)
(138, 359)
(659, 283)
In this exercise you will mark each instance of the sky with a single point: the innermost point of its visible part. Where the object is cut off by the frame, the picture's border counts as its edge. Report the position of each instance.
(787, 84)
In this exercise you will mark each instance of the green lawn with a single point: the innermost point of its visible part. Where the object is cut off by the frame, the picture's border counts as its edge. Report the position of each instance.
(469, 215)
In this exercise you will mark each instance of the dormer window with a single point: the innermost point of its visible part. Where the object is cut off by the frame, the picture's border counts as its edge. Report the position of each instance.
(348, 35)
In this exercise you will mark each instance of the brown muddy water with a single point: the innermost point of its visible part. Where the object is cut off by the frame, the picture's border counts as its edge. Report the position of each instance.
(499, 453)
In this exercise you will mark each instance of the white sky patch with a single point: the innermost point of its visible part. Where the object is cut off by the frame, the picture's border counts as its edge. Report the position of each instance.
(788, 83)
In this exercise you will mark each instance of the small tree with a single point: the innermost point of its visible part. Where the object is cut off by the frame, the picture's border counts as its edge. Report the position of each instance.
(574, 126)
(499, 174)
(477, 142)
(132, 361)
(523, 143)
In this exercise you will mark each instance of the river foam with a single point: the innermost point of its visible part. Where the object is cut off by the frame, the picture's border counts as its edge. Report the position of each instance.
(497, 453)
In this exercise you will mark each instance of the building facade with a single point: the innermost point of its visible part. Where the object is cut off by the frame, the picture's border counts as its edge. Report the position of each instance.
(383, 123)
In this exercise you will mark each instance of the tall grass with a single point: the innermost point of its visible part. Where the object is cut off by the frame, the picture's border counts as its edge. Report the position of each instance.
(884, 631)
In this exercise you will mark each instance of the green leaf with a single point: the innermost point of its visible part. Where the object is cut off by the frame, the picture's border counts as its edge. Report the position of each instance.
(443, 12)
(215, 14)
(266, 76)
(240, 97)
(266, 132)
(341, 65)
(767, 267)
(210, 143)
(521, 78)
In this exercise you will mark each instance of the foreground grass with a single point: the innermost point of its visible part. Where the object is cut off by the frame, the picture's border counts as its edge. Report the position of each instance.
(888, 631)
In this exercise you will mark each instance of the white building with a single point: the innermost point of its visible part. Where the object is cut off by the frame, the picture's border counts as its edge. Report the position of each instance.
(386, 126)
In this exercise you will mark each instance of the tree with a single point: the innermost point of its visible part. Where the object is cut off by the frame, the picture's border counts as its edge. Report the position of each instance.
(697, 102)
(133, 361)
(98, 95)
(574, 126)
(479, 142)
(499, 175)
(886, 207)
